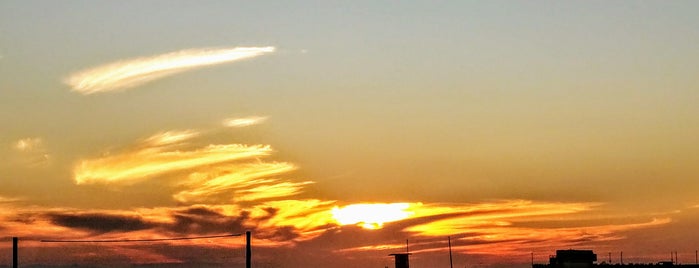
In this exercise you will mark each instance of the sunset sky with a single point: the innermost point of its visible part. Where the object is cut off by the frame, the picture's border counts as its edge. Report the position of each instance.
(335, 131)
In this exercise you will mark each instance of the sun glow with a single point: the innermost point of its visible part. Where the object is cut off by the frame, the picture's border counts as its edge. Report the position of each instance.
(371, 216)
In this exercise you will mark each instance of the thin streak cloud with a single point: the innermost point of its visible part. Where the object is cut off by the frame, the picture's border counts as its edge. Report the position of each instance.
(170, 137)
(135, 72)
(205, 184)
(244, 122)
(32, 152)
(152, 158)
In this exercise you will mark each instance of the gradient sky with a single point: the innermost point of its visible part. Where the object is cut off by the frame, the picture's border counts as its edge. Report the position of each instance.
(337, 130)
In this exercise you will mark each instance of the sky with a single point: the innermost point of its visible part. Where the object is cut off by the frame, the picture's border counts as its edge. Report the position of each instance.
(334, 131)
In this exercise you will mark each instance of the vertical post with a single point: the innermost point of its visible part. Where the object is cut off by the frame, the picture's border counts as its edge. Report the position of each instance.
(15, 260)
(532, 259)
(248, 250)
(407, 249)
(621, 257)
(672, 255)
(610, 258)
(451, 264)
(696, 257)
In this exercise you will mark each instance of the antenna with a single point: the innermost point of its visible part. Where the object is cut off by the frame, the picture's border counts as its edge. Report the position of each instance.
(407, 249)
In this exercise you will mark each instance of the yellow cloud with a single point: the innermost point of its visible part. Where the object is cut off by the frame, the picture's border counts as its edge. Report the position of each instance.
(274, 190)
(133, 166)
(217, 173)
(202, 185)
(170, 137)
(134, 72)
(306, 215)
(159, 154)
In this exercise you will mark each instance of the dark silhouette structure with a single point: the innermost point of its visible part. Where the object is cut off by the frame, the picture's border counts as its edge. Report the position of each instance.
(401, 260)
(248, 250)
(573, 258)
(15, 260)
(587, 259)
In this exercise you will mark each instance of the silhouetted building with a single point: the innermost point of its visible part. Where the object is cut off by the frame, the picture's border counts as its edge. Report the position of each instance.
(586, 258)
(401, 260)
(571, 258)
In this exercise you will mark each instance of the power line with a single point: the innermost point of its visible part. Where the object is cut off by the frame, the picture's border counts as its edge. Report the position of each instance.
(138, 240)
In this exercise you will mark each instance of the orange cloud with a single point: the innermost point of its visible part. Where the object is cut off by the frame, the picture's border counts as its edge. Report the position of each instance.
(228, 188)
(466, 217)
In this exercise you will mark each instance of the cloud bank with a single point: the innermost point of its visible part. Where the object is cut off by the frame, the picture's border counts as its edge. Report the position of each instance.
(231, 188)
(135, 72)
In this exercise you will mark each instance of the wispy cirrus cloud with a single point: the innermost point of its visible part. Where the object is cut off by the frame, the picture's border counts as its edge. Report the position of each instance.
(152, 158)
(236, 178)
(29, 144)
(202, 174)
(4, 199)
(32, 152)
(244, 121)
(135, 72)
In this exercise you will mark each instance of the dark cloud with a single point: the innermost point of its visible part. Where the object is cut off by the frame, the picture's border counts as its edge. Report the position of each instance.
(26, 218)
(100, 223)
(201, 220)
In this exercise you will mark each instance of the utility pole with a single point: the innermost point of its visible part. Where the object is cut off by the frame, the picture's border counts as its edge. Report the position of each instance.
(621, 257)
(15, 260)
(248, 251)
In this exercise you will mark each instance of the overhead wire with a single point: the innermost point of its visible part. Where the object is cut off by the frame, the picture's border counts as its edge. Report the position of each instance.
(137, 240)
